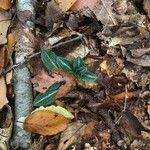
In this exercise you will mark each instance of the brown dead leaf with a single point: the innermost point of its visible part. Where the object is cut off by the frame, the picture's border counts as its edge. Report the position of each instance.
(45, 122)
(44, 81)
(2, 58)
(146, 4)
(3, 98)
(4, 24)
(131, 124)
(6, 126)
(104, 12)
(72, 134)
(6, 4)
(81, 4)
(89, 130)
(65, 5)
(120, 6)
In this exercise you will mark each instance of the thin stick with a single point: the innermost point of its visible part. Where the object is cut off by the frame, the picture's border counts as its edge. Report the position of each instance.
(27, 58)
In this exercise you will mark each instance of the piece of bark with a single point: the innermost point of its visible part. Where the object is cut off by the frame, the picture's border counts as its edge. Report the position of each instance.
(22, 85)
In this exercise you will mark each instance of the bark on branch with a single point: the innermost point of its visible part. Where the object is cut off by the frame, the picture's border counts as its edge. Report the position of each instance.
(22, 84)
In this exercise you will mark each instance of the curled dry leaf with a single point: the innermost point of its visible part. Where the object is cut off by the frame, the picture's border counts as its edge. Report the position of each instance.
(44, 81)
(5, 127)
(65, 5)
(6, 4)
(57, 109)
(3, 98)
(45, 122)
(4, 24)
(72, 134)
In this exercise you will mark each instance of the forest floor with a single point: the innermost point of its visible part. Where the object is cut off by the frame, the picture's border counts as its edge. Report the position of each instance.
(75, 74)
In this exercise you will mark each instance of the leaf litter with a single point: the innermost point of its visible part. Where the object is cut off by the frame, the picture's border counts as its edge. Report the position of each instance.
(89, 71)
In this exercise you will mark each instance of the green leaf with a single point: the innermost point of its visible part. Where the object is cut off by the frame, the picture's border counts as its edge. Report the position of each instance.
(47, 98)
(48, 58)
(64, 64)
(59, 110)
(80, 71)
(88, 76)
(78, 63)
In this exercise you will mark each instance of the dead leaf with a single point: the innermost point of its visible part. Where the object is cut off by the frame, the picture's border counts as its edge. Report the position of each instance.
(45, 122)
(3, 98)
(146, 4)
(2, 58)
(6, 4)
(44, 81)
(131, 124)
(120, 6)
(111, 66)
(4, 24)
(6, 127)
(12, 39)
(72, 134)
(65, 5)
(89, 130)
(104, 12)
(81, 4)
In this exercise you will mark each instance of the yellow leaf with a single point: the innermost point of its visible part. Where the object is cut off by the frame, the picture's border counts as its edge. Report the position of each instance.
(65, 5)
(58, 109)
(3, 98)
(45, 122)
(6, 4)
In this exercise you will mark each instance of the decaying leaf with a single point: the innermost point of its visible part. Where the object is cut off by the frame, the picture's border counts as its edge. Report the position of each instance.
(45, 122)
(6, 4)
(3, 98)
(2, 58)
(72, 134)
(57, 109)
(6, 126)
(44, 81)
(104, 12)
(131, 124)
(81, 4)
(9, 48)
(65, 4)
(146, 4)
(4, 24)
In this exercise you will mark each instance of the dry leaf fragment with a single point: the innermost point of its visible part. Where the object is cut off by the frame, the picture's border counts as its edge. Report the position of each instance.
(81, 4)
(44, 81)
(6, 130)
(3, 98)
(4, 24)
(72, 134)
(146, 4)
(6, 4)
(2, 58)
(65, 5)
(45, 122)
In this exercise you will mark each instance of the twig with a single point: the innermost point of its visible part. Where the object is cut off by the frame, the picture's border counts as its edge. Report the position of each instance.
(27, 58)
(121, 96)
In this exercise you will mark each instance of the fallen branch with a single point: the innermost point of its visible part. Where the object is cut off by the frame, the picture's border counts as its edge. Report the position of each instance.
(22, 85)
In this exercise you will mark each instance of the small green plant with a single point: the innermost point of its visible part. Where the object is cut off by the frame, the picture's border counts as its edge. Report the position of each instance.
(77, 67)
